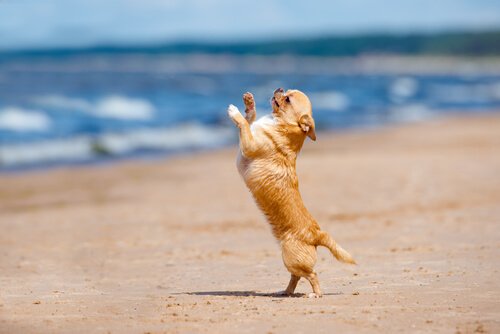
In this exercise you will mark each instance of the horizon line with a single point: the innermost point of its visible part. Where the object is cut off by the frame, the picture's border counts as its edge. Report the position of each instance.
(228, 42)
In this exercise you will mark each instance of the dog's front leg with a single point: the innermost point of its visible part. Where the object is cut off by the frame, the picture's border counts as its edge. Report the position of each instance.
(250, 112)
(248, 146)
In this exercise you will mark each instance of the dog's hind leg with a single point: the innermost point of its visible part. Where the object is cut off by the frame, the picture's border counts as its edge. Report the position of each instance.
(292, 285)
(313, 279)
(250, 112)
(299, 258)
(290, 289)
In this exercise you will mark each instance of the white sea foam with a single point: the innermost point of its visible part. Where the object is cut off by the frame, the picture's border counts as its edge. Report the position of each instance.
(51, 150)
(63, 102)
(411, 113)
(121, 107)
(183, 137)
(332, 100)
(466, 93)
(22, 120)
(403, 88)
(114, 106)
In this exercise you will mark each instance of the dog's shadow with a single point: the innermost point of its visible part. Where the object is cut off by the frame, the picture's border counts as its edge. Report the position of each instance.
(252, 294)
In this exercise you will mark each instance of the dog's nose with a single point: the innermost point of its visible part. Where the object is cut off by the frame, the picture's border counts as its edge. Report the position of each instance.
(278, 91)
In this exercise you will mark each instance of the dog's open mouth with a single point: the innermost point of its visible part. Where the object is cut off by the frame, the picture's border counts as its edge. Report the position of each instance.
(278, 93)
(275, 102)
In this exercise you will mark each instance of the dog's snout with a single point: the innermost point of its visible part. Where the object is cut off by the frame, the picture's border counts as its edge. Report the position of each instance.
(279, 91)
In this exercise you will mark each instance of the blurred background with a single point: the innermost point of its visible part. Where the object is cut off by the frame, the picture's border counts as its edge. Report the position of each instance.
(87, 81)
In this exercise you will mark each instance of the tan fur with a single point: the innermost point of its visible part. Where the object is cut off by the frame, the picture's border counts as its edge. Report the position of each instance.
(266, 161)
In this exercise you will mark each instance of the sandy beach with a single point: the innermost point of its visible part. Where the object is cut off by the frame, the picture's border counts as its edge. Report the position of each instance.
(178, 246)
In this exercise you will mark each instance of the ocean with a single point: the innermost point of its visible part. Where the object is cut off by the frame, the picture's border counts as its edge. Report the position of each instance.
(91, 108)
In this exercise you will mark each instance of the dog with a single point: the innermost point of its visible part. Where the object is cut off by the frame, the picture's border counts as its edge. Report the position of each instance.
(266, 162)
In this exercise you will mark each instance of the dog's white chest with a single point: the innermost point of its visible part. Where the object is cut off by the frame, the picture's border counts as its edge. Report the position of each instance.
(263, 122)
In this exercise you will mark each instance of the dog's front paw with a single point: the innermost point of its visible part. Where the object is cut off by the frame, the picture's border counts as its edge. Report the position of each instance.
(314, 295)
(249, 101)
(234, 114)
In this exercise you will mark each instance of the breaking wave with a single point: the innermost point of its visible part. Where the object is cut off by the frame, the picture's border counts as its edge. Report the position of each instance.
(414, 112)
(23, 120)
(403, 88)
(113, 106)
(331, 100)
(466, 93)
(83, 148)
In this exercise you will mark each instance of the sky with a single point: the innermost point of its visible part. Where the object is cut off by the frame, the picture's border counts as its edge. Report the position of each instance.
(79, 23)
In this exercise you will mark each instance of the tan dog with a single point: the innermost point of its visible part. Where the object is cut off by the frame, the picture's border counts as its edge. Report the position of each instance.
(268, 152)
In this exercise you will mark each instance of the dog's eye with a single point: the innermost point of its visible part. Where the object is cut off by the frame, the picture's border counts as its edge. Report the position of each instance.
(287, 99)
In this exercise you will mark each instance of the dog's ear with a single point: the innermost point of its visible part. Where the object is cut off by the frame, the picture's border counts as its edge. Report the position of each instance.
(306, 123)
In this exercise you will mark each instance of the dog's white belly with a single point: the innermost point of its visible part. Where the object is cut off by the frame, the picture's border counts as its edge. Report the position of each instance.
(241, 163)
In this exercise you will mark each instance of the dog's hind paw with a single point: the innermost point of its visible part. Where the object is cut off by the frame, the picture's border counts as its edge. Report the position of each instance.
(313, 295)
(282, 293)
(285, 293)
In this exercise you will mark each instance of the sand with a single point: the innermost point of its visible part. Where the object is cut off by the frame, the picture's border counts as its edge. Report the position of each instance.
(178, 246)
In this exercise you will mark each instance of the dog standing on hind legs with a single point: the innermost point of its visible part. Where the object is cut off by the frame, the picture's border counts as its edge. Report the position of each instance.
(266, 162)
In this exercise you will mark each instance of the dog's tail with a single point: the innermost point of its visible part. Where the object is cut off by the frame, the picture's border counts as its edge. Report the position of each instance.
(340, 254)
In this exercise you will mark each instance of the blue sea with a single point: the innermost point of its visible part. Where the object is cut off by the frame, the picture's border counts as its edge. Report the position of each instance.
(76, 109)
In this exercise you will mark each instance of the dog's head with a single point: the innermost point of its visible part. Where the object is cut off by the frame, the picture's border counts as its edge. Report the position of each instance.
(294, 109)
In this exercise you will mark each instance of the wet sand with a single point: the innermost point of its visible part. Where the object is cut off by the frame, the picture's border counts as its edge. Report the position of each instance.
(178, 246)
